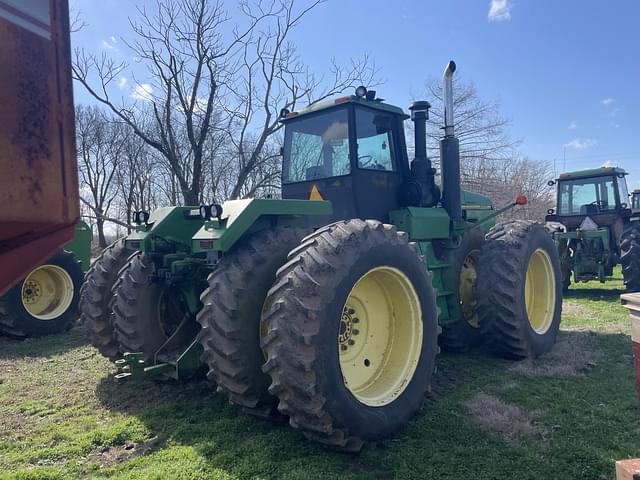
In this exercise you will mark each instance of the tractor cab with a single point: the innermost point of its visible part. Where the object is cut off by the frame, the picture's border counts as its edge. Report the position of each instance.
(600, 194)
(350, 151)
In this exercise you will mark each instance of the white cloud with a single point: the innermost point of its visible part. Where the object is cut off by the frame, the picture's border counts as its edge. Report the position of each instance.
(122, 83)
(499, 11)
(107, 45)
(609, 163)
(572, 125)
(607, 102)
(113, 39)
(581, 143)
(143, 91)
(110, 43)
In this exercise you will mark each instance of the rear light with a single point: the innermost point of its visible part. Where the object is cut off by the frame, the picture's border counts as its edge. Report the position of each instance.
(341, 100)
(291, 114)
(206, 244)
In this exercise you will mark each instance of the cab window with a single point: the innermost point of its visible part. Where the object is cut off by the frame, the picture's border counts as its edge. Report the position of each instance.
(374, 140)
(316, 147)
(586, 196)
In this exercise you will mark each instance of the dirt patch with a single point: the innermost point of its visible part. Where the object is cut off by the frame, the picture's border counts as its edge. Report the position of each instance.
(571, 356)
(108, 456)
(576, 310)
(511, 422)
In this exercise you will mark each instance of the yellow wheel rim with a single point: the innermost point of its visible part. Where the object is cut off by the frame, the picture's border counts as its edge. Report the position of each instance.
(380, 337)
(47, 292)
(467, 288)
(540, 291)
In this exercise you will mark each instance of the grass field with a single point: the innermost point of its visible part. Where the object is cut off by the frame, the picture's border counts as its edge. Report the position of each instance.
(568, 416)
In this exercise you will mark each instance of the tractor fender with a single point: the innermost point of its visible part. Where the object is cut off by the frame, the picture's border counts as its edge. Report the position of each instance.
(240, 217)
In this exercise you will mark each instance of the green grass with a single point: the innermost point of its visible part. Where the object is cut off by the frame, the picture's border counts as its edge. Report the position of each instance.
(63, 416)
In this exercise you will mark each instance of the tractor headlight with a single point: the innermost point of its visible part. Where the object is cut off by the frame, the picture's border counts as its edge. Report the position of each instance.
(361, 91)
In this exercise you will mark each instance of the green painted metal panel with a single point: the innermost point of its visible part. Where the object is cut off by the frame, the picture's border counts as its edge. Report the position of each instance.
(243, 216)
(422, 223)
(80, 246)
(475, 200)
(172, 226)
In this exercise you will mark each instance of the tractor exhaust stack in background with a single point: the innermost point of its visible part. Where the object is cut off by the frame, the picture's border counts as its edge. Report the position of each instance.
(450, 152)
(421, 169)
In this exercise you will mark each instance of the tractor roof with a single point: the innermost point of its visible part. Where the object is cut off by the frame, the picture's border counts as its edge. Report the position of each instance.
(377, 104)
(592, 172)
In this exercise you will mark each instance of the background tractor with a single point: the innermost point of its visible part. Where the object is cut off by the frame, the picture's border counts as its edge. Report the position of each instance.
(595, 227)
(327, 306)
(46, 300)
(635, 200)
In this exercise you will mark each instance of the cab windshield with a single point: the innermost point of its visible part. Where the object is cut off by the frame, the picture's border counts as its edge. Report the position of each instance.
(586, 196)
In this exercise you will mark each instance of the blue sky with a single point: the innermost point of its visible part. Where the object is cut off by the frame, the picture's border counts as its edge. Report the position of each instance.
(566, 73)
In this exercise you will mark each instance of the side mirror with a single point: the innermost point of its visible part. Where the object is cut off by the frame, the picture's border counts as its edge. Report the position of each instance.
(551, 183)
(551, 211)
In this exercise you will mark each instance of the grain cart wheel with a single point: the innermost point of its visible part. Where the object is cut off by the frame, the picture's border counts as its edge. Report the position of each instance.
(350, 333)
(630, 256)
(95, 299)
(146, 313)
(46, 301)
(465, 333)
(519, 290)
(230, 317)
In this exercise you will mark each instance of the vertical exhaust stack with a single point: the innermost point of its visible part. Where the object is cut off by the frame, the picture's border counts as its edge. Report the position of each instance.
(450, 152)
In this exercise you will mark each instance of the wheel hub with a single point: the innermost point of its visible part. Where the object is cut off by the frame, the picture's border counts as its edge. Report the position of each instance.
(347, 329)
(32, 292)
(467, 288)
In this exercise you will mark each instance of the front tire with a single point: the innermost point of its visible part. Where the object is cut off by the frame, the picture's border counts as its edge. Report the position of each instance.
(46, 301)
(95, 299)
(630, 256)
(520, 290)
(147, 312)
(351, 329)
(230, 317)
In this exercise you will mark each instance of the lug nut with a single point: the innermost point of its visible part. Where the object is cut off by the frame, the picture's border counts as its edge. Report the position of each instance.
(351, 342)
(351, 311)
(343, 347)
(356, 331)
(355, 320)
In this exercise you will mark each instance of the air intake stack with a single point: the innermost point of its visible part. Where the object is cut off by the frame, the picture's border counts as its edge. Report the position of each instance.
(427, 193)
(450, 152)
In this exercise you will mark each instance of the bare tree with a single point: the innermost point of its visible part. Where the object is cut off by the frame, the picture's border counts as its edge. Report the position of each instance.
(181, 43)
(99, 143)
(490, 161)
(210, 107)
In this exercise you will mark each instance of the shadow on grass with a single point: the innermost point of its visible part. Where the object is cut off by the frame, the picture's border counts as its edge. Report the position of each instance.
(612, 295)
(48, 346)
(193, 414)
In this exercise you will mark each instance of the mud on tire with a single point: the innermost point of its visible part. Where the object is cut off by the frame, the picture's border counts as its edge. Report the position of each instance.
(630, 256)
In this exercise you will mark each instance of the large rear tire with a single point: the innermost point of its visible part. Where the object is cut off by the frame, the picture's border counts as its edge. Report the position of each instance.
(351, 327)
(520, 290)
(464, 333)
(46, 301)
(230, 317)
(146, 312)
(95, 299)
(630, 256)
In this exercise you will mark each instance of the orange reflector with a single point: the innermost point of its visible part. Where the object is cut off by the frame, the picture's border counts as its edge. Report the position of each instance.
(315, 194)
(206, 244)
(521, 200)
(341, 100)
(291, 114)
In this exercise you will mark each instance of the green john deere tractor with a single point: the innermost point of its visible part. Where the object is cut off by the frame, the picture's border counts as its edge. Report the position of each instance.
(327, 306)
(595, 226)
(46, 301)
